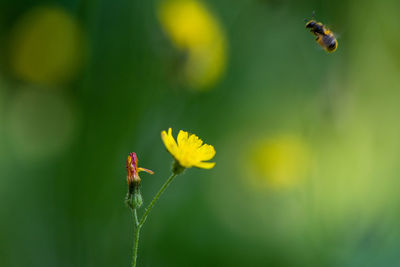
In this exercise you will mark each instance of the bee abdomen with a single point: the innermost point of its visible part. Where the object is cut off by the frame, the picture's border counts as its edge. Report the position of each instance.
(328, 42)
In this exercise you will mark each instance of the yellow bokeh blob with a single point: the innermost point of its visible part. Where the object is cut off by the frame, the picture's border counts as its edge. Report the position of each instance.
(194, 30)
(46, 46)
(280, 162)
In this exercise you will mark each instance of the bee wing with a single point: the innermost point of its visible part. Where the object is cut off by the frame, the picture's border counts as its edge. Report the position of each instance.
(337, 35)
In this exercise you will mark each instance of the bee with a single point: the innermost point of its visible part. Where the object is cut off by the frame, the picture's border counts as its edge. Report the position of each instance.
(325, 37)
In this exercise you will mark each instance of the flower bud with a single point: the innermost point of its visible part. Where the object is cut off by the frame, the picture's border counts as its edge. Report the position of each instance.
(134, 197)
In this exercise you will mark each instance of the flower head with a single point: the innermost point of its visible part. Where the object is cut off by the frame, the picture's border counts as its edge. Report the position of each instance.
(133, 170)
(189, 150)
(134, 197)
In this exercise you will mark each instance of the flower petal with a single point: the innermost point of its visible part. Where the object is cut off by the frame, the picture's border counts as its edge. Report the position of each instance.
(194, 141)
(182, 138)
(204, 165)
(206, 152)
(169, 141)
(145, 170)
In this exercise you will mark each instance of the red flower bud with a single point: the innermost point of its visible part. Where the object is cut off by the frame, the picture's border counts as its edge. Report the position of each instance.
(132, 169)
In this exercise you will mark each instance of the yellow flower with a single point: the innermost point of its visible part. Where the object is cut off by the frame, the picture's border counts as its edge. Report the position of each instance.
(189, 150)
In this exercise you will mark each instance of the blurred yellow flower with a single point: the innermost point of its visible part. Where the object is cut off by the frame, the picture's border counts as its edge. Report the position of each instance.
(281, 162)
(189, 150)
(194, 30)
(46, 46)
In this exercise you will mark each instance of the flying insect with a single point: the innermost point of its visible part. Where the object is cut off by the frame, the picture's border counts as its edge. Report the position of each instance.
(325, 37)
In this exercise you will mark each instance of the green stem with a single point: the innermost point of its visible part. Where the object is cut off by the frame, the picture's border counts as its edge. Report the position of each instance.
(144, 217)
(136, 217)
(135, 245)
(148, 209)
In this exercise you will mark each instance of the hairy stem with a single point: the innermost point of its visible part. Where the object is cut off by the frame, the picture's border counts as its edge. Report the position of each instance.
(136, 217)
(140, 223)
(135, 245)
(148, 209)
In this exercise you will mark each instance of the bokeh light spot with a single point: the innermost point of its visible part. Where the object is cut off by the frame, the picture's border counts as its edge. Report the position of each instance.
(46, 46)
(280, 162)
(194, 30)
(40, 124)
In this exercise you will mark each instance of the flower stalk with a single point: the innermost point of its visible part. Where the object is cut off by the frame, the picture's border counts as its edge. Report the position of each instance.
(188, 151)
(144, 217)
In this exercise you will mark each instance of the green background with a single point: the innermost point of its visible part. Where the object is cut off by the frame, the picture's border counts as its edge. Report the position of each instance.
(63, 146)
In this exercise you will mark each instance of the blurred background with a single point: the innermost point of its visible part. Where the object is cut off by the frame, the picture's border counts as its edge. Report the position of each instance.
(307, 142)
